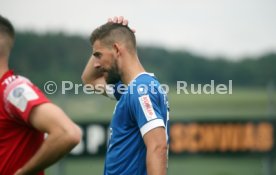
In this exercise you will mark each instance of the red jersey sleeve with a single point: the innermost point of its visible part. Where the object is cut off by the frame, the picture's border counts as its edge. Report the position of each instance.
(21, 96)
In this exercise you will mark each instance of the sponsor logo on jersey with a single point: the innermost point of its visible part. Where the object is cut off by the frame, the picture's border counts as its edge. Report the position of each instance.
(147, 107)
(20, 95)
(17, 92)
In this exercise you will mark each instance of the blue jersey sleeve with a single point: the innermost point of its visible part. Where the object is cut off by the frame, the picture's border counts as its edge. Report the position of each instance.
(146, 109)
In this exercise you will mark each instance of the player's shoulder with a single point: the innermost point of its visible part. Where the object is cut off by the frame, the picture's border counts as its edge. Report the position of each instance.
(145, 78)
(17, 89)
(17, 84)
(16, 80)
(145, 84)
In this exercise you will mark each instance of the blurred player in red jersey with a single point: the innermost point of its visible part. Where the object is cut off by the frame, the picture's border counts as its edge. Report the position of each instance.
(25, 115)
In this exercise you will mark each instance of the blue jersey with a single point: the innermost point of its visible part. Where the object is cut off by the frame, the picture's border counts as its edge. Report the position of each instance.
(141, 107)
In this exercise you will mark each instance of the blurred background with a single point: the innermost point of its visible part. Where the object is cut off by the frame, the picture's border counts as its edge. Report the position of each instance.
(179, 40)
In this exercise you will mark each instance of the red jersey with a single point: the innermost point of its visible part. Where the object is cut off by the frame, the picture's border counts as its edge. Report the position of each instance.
(19, 141)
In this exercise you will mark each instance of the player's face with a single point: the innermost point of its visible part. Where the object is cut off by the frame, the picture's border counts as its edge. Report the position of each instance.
(105, 62)
(112, 76)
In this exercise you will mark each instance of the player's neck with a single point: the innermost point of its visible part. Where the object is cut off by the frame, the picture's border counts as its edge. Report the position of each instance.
(3, 66)
(131, 70)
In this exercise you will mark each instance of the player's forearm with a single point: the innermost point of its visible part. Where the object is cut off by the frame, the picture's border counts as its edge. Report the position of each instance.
(53, 148)
(90, 74)
(157, 161)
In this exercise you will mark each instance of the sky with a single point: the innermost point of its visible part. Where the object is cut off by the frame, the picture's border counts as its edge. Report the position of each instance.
(230, 28)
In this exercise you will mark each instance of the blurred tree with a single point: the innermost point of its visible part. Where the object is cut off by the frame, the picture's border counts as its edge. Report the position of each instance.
(50, 56)
(57, 57)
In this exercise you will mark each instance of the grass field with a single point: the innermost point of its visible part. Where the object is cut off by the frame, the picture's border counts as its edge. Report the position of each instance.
(178, 166)
(242, 104)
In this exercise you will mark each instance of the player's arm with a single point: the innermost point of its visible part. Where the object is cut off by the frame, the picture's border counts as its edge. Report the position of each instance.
(146, 108)
(93, 76)
(156, 144)
(63, 135)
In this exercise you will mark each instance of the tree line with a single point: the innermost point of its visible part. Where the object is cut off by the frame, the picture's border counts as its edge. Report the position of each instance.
(57, 57)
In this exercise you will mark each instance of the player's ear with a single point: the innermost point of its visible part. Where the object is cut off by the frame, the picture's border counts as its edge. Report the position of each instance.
(117, 49)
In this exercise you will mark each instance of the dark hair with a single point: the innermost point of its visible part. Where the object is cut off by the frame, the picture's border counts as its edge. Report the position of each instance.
(7, 36)
(6, 27)
(110, 32)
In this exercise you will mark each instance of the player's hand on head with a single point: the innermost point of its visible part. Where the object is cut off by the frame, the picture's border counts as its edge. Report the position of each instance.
(120, 20)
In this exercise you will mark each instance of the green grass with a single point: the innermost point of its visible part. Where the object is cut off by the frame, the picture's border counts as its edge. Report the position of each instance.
(177, 166)
(242, 104)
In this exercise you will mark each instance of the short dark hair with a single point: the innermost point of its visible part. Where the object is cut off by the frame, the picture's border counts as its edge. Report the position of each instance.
(112, 32)
(7, 36)
(6, 27)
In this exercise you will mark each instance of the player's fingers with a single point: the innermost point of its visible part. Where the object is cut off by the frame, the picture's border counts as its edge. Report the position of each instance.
(115, 19)
(125, 22)
(120, 19)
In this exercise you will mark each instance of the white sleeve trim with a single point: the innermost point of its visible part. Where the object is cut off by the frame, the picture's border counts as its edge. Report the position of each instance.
(110, 92)
(151, 125)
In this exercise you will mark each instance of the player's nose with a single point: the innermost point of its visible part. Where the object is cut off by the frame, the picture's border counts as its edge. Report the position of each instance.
(96, 65)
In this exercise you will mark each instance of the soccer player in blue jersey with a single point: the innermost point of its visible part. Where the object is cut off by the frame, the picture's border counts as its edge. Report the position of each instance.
(139, 128)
